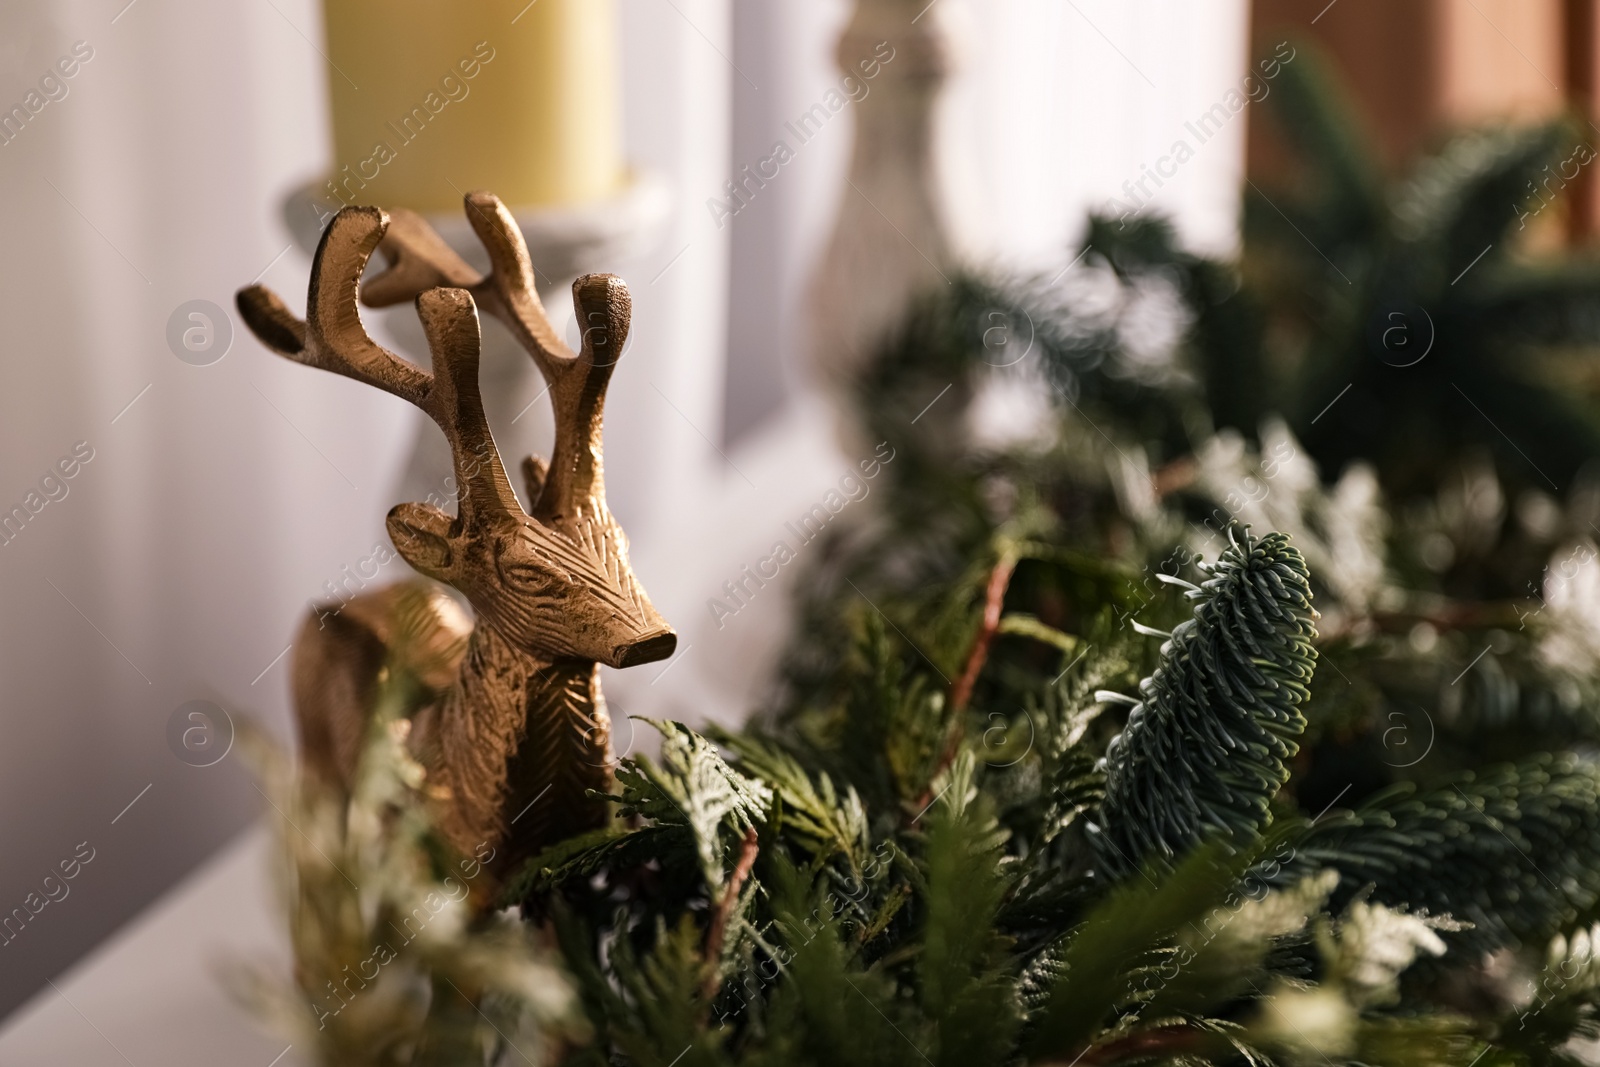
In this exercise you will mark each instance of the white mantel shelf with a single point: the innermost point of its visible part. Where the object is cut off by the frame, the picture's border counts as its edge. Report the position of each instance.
(150, 996)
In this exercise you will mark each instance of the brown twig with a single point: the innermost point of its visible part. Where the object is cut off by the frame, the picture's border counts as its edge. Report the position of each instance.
(1450, 616)
(725, 905)
(1166, 1041)
(993, 599)
(1181, 473)
(994, 596)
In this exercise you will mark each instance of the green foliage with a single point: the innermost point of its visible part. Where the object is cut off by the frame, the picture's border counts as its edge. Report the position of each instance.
(964, 985)
(832, 1008)
(1509, 849)
(1101, 961)
(822, 821)
(1206, 750)
(694, 789)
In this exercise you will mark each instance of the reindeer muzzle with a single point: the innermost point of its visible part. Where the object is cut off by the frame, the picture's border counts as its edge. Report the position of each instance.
(648, 649)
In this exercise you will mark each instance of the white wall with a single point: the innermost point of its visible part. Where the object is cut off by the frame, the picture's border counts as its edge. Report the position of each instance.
(1060, 103)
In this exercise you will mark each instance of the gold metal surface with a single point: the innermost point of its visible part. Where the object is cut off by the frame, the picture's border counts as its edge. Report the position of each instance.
(517, 730)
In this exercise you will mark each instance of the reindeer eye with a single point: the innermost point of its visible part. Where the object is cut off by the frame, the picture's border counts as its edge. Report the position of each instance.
(528, 576)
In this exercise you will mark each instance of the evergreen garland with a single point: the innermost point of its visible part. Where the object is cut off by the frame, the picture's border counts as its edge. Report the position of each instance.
(1207, 748)
(949, 842)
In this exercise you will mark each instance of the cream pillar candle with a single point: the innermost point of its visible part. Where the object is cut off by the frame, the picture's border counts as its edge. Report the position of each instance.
(432, 98)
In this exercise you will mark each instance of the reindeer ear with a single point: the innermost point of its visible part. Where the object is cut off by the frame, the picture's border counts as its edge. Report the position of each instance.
(421, 534)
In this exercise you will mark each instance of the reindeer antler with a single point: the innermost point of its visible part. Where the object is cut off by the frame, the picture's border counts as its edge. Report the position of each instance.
(333, 338)
(419, 259)
(577, 474)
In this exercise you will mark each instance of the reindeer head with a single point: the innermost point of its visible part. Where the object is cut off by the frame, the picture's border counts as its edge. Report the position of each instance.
(555, 583)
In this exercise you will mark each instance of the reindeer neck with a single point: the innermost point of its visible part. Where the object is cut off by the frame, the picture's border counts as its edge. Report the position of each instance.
(522, 739)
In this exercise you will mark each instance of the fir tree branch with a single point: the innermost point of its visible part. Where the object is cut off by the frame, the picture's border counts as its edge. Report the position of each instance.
(1510, 849)
(1206, 749)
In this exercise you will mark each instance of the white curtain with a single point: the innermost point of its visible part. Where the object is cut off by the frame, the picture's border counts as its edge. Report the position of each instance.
(218, 498)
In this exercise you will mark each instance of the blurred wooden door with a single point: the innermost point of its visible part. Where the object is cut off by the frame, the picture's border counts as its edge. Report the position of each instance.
(1416, 69)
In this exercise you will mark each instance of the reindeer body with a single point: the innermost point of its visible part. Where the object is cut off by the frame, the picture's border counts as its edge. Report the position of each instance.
(515, 734)
(492, 732)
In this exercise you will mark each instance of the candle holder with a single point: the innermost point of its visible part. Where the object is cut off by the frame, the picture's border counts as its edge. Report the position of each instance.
(564, 242)
(890, 240)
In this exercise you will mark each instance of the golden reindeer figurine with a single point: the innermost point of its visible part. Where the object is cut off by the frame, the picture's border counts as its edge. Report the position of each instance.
(518, 731)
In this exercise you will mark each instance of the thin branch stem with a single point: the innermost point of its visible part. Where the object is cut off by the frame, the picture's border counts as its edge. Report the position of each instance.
(993, 600)
(1449, 616)
(725, 905)
(961, 690)
(1167, 1041)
